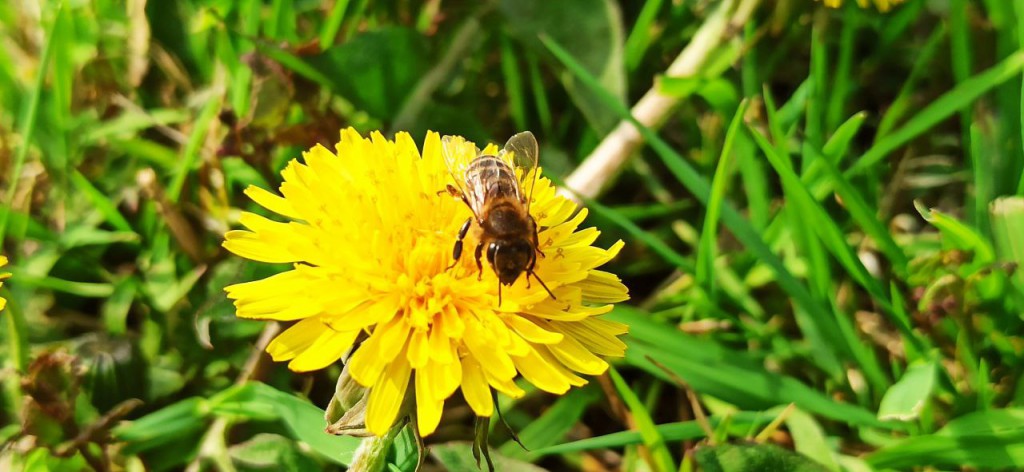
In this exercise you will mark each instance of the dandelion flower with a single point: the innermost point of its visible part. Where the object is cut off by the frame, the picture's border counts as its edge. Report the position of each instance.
(370, 237)
(3, 275)
(882, 5)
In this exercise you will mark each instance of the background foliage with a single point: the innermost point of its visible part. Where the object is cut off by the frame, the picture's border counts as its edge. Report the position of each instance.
(821, 238)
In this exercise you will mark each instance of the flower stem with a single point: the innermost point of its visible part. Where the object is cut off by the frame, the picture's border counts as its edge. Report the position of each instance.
(372, 453)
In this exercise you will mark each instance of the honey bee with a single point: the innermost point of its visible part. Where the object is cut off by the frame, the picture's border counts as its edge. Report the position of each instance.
(501, 209)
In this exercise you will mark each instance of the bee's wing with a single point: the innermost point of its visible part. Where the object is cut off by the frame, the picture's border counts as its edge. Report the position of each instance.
(524, 149)
(452, 150)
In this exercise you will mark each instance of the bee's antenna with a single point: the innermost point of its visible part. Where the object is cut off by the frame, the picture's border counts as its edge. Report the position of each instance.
(542, 284)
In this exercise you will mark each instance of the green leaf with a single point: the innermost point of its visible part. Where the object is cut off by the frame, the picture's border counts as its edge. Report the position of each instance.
(992, 439)
(171, 423)
(81, 289)
(266, 451)
(862, 213)
(459, 456)
(728, 375)
(739, 423)
(595, 40)
(707, 249)
(245, 401)
(1007, 227)
(701, 189)
(747, 457)
(810, 440)
(306, 423)
(376, 70)
(906, 398)
(939, 109)
(554, 424)
(660, 459)
(28, 124)
(958, 235)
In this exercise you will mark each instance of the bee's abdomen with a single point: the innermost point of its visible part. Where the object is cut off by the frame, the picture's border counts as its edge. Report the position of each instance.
(494, 177)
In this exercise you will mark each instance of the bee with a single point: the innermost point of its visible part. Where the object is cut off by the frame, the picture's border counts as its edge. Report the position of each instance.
(488, 185)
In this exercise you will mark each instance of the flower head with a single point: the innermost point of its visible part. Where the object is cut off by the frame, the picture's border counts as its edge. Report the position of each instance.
(370, 237)
(3, 275)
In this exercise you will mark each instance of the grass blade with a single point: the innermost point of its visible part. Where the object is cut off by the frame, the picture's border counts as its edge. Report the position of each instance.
(950, 102)
(708, 237)
(660, 458)
(700, 189)
(553, 425)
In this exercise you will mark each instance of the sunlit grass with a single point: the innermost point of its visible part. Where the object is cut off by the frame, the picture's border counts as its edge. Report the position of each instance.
(822, 235)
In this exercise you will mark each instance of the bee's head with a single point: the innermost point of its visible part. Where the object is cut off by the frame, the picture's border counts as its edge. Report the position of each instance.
(509, 258)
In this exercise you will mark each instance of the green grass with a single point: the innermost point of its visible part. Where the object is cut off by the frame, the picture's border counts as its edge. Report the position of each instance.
(823, 238)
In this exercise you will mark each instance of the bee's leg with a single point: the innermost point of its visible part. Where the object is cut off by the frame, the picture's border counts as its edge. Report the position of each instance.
(457, 250)
(536, 241)
(542, 284)
(479, 265)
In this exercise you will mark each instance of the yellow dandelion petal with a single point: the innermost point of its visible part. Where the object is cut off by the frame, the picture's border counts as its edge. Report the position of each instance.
(545, 354)
(541, 373)
(441, 349)
(324, 351)
(363, 315)
(595, 336)
(419, 349)
(251, 246)
(604, 287)
(386, 397)
(434, 382)
(506, 386)
(576, 357)
(278, 297)
(475, 388)
(377, 351)
(370, 228)
(530, 331)
(272, 202)
(295, 340)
